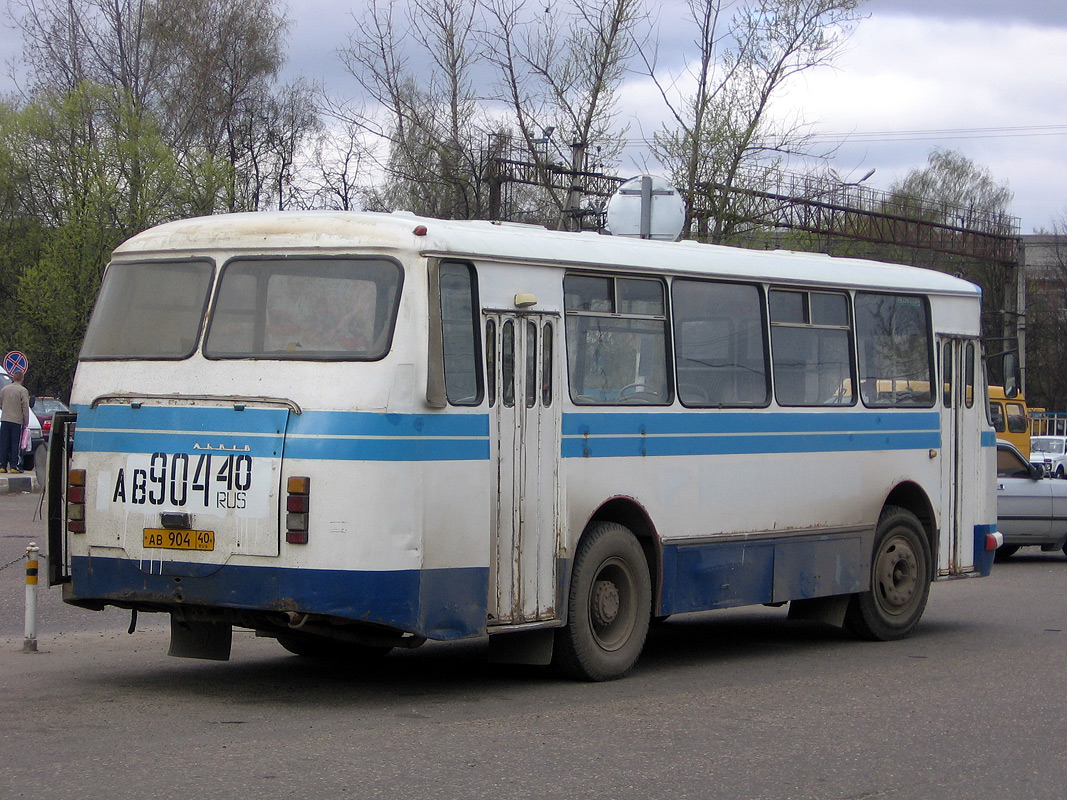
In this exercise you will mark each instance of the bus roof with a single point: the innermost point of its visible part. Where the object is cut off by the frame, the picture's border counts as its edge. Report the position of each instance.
(336, 232)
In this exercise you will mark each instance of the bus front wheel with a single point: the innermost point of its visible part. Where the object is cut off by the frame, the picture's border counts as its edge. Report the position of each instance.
(608, 607)
(900, 580)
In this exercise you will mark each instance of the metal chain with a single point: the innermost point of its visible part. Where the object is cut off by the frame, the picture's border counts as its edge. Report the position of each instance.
(13, 563)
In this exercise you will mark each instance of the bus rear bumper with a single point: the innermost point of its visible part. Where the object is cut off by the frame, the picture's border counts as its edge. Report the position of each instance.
(986, 541)
(440, 604)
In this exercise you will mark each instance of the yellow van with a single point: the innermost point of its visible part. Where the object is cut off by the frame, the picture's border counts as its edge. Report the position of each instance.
(1010, 418)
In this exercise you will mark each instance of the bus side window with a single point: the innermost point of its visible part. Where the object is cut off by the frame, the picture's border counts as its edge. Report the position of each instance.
(720, 344)
(490, 360)
(507, 363)
(463, 381)
(968, 385)
(811, 353)
(895, 351)
(947, 374)
(546, 367)
(531, 363)
(616, 340)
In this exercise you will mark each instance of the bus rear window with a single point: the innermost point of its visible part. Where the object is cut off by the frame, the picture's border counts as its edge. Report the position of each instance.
(305, 309)
(150, 310)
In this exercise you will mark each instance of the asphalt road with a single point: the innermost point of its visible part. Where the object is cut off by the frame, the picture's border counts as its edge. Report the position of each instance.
(734, 704)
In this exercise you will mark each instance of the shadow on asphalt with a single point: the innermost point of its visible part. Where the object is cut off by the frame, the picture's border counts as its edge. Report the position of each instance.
(707, 645)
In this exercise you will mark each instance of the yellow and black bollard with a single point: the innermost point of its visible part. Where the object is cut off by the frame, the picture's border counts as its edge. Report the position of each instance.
(29, 644)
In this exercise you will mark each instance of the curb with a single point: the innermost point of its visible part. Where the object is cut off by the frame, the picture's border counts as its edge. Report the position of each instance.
(13, 484)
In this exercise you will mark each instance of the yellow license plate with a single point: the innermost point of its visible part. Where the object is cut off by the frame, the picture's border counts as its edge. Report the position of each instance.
(174, 539)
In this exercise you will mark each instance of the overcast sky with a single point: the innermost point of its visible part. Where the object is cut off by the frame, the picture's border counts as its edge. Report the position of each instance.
(986, 77)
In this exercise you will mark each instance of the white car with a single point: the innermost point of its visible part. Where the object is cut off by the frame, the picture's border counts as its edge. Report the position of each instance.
(1049, 452)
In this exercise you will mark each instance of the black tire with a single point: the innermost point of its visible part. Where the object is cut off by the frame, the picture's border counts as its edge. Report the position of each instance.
(1006, 551)
(329, 650)
(900, 580)
(608, 607)
(1059, 471)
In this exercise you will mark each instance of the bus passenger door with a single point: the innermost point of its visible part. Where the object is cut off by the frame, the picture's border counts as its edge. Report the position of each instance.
(964, 399)
(522, 358)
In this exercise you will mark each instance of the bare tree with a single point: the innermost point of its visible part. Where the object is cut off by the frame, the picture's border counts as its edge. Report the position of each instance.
(722, 132)
(559, 65)
(415, 66)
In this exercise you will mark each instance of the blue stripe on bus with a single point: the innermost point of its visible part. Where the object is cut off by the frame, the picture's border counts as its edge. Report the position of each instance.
(331, 435)
(435, 603)
(608, 435)
(712, 421)
(615, 447)
(368, 436)
(989, 439)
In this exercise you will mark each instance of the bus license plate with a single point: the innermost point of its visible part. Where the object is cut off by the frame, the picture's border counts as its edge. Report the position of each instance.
(175, 539)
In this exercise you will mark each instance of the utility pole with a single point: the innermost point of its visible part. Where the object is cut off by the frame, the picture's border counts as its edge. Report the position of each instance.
(575, 190)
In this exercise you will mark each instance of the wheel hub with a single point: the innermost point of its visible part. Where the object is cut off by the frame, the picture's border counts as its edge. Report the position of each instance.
(899, 576)
(605, 603)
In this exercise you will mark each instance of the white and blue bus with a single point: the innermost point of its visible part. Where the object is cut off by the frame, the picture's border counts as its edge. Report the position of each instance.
(356, 432)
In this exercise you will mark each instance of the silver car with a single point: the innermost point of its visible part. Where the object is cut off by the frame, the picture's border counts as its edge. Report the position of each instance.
(1031, 509)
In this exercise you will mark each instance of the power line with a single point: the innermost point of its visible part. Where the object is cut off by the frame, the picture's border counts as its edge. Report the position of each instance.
(928, 134)
(918, 135)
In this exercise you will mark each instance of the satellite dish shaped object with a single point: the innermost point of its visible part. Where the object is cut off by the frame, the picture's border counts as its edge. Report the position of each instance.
(646, 207)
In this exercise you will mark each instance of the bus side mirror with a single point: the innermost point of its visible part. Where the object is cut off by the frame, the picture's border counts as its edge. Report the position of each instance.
(1011, 375)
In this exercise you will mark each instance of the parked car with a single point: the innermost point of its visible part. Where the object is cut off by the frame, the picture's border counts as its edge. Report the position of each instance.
(1031, 508)
(1050, 453)
(45, 408)
(37, 440)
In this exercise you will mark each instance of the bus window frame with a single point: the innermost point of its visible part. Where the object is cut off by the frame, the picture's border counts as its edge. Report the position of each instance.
(614, 277)
(850, 339)
(764, 332)
(932, 350)
(387, 344)
(201, 335)
(477, 344)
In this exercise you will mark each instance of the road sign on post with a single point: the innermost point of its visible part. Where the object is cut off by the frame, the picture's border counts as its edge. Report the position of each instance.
(16, 361)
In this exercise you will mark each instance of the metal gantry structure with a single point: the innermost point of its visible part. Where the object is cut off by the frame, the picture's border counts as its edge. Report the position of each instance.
(819, 205)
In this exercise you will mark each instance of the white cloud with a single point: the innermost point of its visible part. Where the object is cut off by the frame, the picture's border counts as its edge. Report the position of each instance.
(912, 74)
(938, 74)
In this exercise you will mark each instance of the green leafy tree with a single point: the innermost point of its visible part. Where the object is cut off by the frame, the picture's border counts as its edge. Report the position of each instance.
(86, 175)
(956, 192)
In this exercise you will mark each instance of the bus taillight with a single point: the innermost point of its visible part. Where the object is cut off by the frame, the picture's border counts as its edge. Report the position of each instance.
(297, 506)
(76, 501)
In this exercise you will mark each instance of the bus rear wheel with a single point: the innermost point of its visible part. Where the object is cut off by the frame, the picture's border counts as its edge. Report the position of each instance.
(608, 607)
(900, 580)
